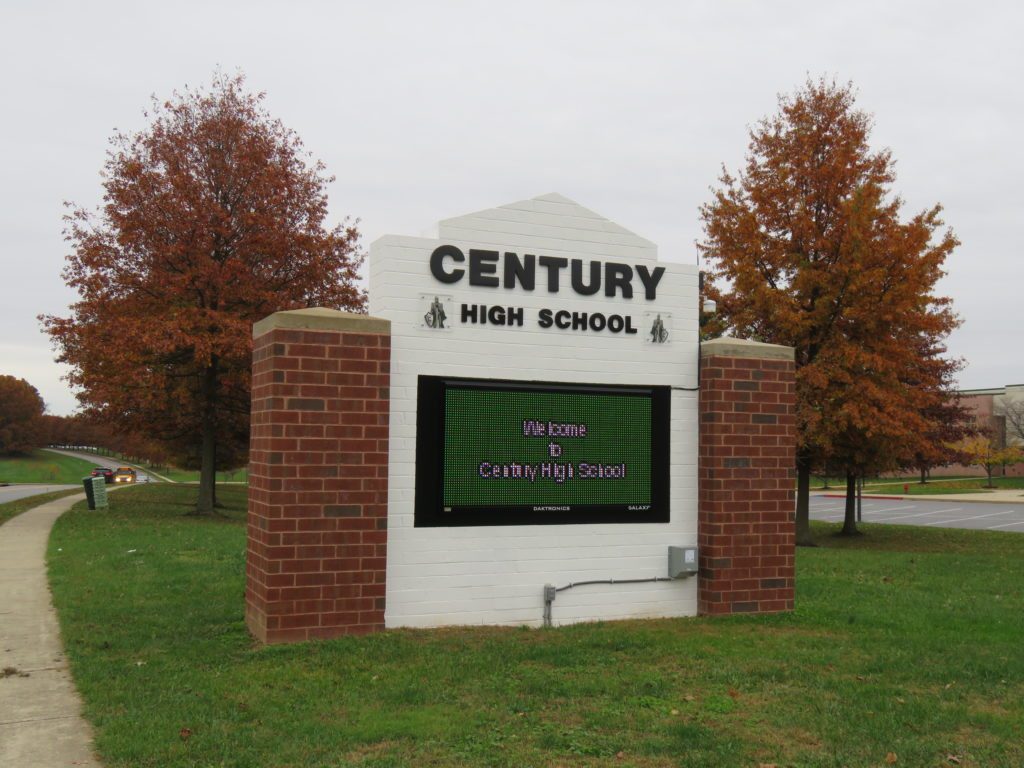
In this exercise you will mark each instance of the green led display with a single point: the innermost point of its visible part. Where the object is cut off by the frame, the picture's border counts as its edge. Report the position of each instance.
(545, 448)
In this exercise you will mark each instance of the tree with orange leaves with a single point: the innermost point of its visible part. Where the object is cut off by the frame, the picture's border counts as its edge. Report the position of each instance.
(213, 218)
(806, 248)
(22, 424)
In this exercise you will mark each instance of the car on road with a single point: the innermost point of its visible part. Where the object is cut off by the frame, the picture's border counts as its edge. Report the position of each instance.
(105, 472)
(124, 475)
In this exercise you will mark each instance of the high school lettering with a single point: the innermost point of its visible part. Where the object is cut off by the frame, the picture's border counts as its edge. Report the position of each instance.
(521, 271)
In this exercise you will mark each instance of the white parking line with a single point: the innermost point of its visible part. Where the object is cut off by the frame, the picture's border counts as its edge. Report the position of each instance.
(867, 511)
(831, 519)
(883, 510)
(976, 517)
(834, 514)
(1004, 525)
(924, 514)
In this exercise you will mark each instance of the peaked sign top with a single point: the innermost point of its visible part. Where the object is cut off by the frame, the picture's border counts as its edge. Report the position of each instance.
(541, 222)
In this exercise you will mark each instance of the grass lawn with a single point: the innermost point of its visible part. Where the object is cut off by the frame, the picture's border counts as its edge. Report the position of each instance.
(180, 475)
(192, 476)
(870, 483)
(12, 508)
(969, 485)
(43, 467)
(905, 641)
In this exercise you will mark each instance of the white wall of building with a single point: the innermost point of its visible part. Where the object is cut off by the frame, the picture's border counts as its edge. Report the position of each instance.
(495, 574)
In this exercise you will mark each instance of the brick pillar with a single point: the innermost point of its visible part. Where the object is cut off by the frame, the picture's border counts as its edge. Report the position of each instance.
(318, 475)
(747, 477)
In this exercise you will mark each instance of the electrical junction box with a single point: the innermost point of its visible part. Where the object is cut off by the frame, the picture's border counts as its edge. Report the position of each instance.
(682, 562)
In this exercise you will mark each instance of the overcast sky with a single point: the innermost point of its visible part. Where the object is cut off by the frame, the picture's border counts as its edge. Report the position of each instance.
(427, 110)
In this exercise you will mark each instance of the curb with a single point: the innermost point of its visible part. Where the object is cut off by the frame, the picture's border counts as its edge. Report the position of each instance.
(951, 498)
(964, 500)
(863, 496)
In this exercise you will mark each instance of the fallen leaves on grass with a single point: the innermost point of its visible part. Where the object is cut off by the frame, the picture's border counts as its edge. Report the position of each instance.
(185, 733)
(890, 758)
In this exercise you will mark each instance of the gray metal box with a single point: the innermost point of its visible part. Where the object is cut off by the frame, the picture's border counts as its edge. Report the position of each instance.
(682, 561)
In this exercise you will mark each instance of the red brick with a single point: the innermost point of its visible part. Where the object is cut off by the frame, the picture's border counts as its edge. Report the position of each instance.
(745, 492)
(319, 438)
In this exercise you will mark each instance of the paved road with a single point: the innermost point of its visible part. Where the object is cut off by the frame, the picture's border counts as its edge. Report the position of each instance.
(15, 492)
(101, 461)
(941, 514)
(21, 491)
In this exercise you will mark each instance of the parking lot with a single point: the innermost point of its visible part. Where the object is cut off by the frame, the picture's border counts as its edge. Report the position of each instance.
(939, 514)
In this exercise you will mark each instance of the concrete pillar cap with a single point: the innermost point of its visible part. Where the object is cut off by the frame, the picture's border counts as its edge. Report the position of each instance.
(729, 347)
(322, 319)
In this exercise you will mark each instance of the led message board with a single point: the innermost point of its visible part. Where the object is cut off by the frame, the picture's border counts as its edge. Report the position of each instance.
(523, 453)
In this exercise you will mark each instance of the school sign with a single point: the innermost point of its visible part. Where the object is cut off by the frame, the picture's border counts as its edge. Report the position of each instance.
(523, 430)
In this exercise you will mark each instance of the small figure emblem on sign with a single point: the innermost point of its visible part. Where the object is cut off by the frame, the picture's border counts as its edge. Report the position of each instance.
(436, 316)
(659, 333)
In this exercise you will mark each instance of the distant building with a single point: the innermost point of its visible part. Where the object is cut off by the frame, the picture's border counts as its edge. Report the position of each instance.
(990, 408)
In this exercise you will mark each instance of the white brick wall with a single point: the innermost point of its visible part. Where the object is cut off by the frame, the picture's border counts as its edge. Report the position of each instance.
(495, 575)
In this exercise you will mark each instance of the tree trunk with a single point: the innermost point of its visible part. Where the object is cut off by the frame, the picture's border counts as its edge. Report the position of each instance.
(803, 500)
(207, 468)
(924, 475)
(208, 449)
(850, 519)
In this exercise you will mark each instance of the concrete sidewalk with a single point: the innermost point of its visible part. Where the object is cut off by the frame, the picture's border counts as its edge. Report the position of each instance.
(40, 711)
